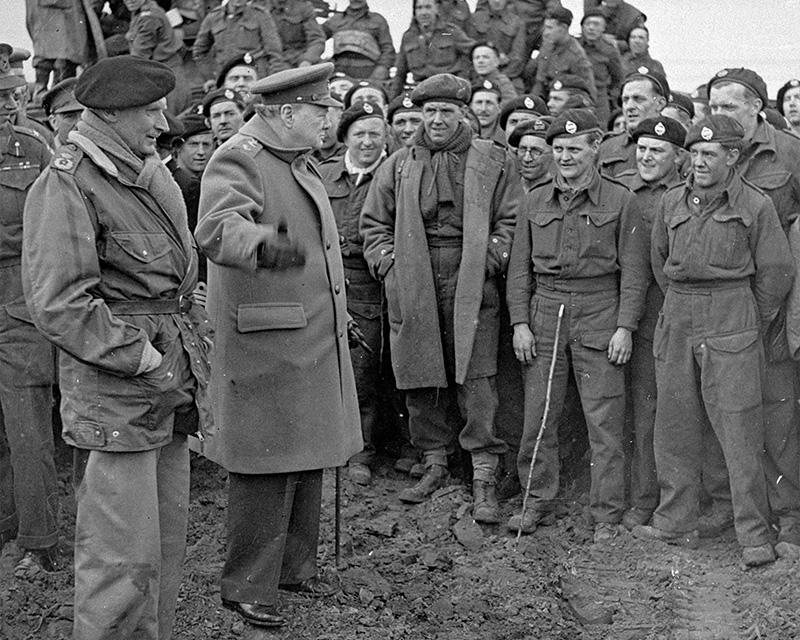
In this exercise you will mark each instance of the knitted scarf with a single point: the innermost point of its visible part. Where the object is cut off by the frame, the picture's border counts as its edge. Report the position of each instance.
(438, 177)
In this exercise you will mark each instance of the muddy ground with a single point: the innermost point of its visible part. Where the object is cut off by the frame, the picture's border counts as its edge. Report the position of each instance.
(429, 572)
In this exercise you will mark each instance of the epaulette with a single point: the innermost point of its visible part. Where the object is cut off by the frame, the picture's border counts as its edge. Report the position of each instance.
(616, 181)
(67, 158)
(32, 133)
(250, 145)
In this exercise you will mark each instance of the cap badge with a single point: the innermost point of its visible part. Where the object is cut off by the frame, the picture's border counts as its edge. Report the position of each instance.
(248, 58)
(706, 133)
(643, 70)
(539, 125)
(722, 73)
(407, 102)
(487, 84)
(367, 107)
(229, 94)
(65, 163)
(199, 110)
(570, 127)
(794, 83)
(557, 85)
(660, 129)
(528, 103)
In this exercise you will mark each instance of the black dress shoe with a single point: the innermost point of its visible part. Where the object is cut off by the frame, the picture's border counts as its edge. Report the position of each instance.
(261, 615)
(315, 587)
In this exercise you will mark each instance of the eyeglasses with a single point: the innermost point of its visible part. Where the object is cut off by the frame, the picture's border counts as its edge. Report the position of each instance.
(534, 152)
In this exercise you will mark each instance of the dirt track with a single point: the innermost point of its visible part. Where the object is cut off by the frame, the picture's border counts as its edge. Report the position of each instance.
(429, 571)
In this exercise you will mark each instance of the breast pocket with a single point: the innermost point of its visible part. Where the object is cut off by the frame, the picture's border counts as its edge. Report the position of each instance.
(727, 243)
(249, 36)
(133, 252)
(546, 234)
(599, 231)
(679, 232)
(443, 53)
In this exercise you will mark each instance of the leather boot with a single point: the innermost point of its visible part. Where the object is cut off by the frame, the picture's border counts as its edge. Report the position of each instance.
(436, 476)
(484, 502)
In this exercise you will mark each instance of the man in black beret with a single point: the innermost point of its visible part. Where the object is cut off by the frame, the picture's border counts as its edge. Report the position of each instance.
(565, 87)
(239, 74)
(437, 226)
(681, 108)
(644, 94)
(347, 179)
(109, 267)
(284, 396)
(620, 16)
(534, 158)
(62, 109)
(723, 262)
(367, 91)
(28, 481)
(519, 109)
(659, 148)
(788, 103)
(405, 118)
(224, 109)
(485, 104)
(769, 159)
(555, 262)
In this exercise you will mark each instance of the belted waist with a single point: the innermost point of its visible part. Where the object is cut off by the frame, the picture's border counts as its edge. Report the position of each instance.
(445, 242)
(608, 282)
(707, 286)
(165, 306)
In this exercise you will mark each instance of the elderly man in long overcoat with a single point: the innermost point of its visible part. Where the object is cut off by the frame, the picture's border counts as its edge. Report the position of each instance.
(281, 380)
(437, 226)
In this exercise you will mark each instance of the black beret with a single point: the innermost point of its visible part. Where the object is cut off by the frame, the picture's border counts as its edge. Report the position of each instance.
(443, 87)
(239, 61)
(304, 85)
(537, 127)
(355, 113)
(486, 85)
(659, 79)
(660, 128)
(193, 125)
(745, 77)
(124, 82)
(223, 95)
(563, 15)
(683, 102)
(570, 82)
(700, 94)
(596, 12)
(714, 128)
(528, 104)
(401, 103)
(61, 98)
(571, 123)
(792, 84)
(361, 84)
(775, 118)
(616, 113)
(484, 43)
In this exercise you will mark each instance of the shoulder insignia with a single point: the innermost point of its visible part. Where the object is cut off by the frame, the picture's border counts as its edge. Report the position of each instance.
(251, 145)
(64, 162)
(67, 158)
(33, 133)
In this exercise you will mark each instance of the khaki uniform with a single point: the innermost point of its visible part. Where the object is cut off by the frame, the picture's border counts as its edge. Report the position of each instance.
(567, 57)
(572, 250)
(725, 270)
(362, 43)
(620, 20)
(507, 32)
(630, 63)
(301, 35)
(608, 76)
(617, 155)
(28, 482)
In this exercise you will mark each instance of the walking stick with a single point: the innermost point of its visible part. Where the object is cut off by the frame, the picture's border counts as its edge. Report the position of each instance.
(337, 518)
(542, 426)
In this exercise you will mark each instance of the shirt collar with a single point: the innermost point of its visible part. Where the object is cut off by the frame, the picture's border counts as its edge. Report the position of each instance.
(592, 188)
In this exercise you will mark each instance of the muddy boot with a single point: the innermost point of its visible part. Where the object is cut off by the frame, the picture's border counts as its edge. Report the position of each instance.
(484, 502)
(436, 476)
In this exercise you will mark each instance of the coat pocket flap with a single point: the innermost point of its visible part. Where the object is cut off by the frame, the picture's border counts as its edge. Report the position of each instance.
(543, 218)
(144, 247)
(733, 343)
(597, 340)
(673, 221)
(266, 316)
(599, 218)
(732, 216)
(771, 180)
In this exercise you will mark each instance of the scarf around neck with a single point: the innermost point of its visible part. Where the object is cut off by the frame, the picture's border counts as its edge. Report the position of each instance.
(438, 177)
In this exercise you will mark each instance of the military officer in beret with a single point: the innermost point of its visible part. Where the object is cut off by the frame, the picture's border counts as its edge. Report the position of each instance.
(644, 95)
(681, 108)
(363, 131)
(520, 109)
(620, 16)
(486, 68)
(239, 73)
(28, 483)
(565, 87)
(770, 160)
(723, 262)
(285, 403)
(485, 104)
(534, 159)
(788, 103)
(62, 109)
(405, 118)
(108, 269)
(367, 91)
(498, 22)
(451, 201)
(224, 110)
(659, 147)
(556, 261)
(638, 52)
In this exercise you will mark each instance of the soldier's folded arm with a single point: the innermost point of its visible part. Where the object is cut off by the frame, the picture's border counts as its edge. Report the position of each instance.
(377, 221)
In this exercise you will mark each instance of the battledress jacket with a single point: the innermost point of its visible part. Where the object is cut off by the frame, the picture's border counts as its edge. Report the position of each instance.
(282, 382)
(92, 236)
(396, 249)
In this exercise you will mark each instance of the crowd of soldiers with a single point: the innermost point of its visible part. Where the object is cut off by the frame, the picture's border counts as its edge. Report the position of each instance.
(468, 254)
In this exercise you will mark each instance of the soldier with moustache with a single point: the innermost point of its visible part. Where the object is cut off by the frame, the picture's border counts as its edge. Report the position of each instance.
(659, 143)
(224, 109)
(528, 141)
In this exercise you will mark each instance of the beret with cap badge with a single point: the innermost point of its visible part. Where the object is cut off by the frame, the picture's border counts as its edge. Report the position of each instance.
(443, 87)
(659, 79)
(683, 102)
(570, 82)
(537, 127)
(123, 82)
(246, 60)
(193, 125)
(660, 128)
(792, 84)
(714, 128)
(351, 115)
(486, 85)
(223, 95)
(402, 103)
(745, 77)
(571, 123)
(363, 84)
(562, 15)
(528, 104)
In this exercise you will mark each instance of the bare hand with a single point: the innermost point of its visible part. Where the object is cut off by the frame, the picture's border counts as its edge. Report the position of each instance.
(524, 343)
(620, 346)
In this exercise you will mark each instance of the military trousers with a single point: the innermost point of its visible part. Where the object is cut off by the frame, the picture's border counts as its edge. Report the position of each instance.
(709, 365)
(273, 533)
(130, 540)
(589, 322)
